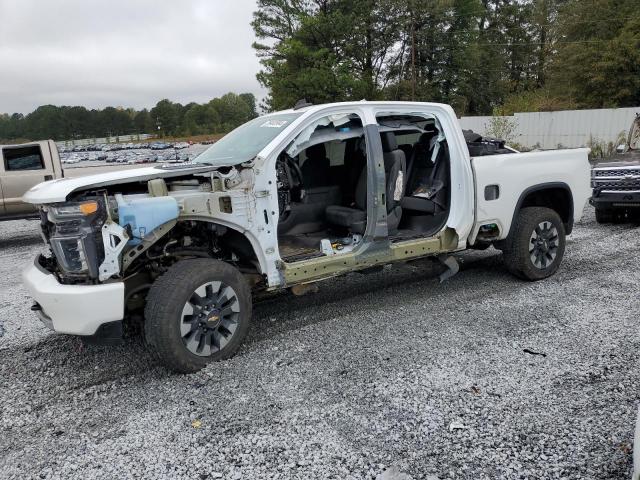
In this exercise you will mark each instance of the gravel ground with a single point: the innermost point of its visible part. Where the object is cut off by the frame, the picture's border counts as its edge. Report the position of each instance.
(384, 372)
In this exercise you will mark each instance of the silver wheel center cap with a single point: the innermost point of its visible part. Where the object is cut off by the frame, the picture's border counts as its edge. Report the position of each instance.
(213, 318)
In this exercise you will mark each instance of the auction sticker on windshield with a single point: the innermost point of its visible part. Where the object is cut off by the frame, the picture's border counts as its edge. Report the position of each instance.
(274, 124)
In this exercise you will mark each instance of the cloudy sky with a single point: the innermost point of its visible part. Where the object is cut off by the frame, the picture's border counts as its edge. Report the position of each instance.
(124, 53)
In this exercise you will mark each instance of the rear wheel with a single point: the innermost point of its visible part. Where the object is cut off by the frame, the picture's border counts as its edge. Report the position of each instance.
(198, 312)
(535, 248)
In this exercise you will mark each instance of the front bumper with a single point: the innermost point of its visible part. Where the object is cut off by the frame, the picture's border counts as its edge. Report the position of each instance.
(73, 309)
(616, 199)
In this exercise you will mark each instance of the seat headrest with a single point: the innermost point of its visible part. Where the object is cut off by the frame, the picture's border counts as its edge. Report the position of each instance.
(317, 152)
(425, 138)
(389, 143)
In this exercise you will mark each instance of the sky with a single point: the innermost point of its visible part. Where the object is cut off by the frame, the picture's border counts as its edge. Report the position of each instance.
(99, 53)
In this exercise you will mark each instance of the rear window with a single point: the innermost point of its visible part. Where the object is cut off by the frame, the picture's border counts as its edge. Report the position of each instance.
(408, 138)
(22, 158)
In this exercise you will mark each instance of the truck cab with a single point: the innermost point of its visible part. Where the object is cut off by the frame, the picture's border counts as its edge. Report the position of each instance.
(616, 182)
(22, 167)
(282, 202)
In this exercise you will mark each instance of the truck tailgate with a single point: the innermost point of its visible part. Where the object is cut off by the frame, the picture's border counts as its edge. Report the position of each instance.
(510, 177)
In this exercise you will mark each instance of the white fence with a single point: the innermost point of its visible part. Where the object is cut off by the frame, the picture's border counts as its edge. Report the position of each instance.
(121, 138)
(569, 128)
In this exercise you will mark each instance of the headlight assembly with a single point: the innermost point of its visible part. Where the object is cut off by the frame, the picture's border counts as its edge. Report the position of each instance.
(71, 254)
(73, 230)
(74, 209)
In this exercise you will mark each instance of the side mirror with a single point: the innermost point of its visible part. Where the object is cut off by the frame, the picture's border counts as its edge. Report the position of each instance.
(621, 148)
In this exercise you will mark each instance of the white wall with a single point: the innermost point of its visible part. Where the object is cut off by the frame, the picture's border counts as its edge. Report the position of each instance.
(569, 128)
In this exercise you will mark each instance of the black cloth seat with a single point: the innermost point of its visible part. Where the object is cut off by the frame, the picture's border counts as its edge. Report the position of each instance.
(435, 186)
(347, 217)
(307, 214)
(408, 155)
(418, 204)
(395, 168)
(355, 218)
(419, 165)
(316, 168)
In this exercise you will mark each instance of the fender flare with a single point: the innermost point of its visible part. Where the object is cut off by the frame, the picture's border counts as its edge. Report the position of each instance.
(568, 225)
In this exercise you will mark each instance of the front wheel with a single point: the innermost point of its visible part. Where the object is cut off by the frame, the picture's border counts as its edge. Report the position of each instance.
(535, 248)
(198, 312)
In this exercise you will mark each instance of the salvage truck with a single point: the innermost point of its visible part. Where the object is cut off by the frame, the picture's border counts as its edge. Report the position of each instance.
(177, 252)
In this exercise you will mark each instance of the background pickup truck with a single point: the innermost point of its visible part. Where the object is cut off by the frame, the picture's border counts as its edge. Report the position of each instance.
(616, 182)
(283, 201)
(25, 165)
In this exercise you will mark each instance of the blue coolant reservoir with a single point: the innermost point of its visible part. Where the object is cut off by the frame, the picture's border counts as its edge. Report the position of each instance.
(145, 214)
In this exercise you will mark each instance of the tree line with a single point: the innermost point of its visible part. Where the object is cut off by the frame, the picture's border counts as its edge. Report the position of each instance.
(481, 56)
(219, 115)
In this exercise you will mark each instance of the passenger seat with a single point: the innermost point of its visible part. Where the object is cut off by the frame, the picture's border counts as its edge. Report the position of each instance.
(419, 165)
(355, 218)
(430, 196)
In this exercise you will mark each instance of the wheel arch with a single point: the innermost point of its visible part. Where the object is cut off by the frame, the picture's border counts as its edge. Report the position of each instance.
(554, 195)
(245, 241)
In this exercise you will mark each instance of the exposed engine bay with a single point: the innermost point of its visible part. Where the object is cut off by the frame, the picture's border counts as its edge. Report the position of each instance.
(135, 232)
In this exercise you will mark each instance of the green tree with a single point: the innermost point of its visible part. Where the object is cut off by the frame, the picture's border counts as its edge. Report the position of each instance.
(325, 50)
(142, 122)
(201, 119)
(166, 115)
(474, 54)
(234, 110)
(598, 53)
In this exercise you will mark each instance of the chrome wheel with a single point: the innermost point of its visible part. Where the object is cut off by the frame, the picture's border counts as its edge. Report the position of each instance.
(209, 319)
(543, 245)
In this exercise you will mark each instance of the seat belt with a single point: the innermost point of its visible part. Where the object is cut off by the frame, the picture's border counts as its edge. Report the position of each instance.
(433, 189)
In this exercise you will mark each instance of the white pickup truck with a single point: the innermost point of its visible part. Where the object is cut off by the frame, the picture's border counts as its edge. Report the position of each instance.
(283, 201)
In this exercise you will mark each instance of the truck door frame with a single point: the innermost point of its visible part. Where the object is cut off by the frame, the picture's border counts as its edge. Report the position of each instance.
(462, 208)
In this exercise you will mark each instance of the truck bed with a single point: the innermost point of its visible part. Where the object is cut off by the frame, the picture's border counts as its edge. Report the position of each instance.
(517, 174)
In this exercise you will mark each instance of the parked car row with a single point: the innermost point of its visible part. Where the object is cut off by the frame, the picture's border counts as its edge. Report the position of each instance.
(102, 147)
(116, 147)
(128, 157)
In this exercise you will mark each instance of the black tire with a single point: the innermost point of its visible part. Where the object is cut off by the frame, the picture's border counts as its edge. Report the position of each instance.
(175, 292)
(524, 250)
(606, 216)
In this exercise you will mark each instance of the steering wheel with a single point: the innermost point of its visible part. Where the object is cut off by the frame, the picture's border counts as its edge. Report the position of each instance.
(290, 181)
(294, 170)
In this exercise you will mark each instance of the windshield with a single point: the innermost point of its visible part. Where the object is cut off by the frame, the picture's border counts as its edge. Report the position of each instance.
(246, 141)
